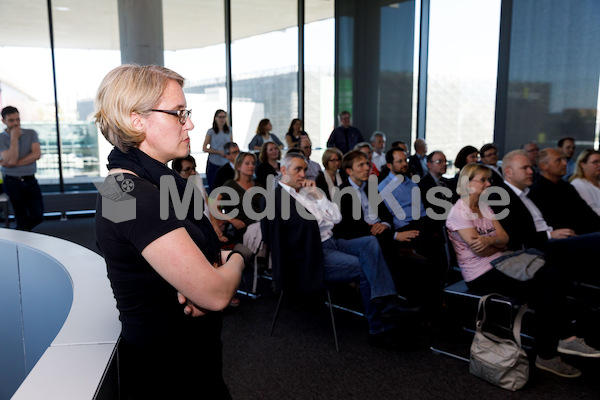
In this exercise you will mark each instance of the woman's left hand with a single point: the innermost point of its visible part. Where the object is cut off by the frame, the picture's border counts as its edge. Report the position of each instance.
(190, 309)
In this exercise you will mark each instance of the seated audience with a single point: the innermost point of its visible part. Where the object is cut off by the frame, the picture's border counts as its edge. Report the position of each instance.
(532, 150)
(466, 155)
(586, 178)
(269, 157)
(489, 158)
(409, 218)
(478, 239)
(313, 168)
(559, 202)
(378, 144)
(566, 146)
(411, 272)
(263, 134)
(384, 171)
(330, 179)
(418, 161)
(437, 166)
(292, 137)
(226, 172)
(247, 229)
(304, 252)
(367, 149)
(527, 228)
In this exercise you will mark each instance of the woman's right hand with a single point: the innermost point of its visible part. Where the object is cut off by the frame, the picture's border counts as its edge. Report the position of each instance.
(480, 243)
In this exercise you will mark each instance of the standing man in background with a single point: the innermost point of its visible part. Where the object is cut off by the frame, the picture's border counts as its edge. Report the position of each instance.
(345, 136)
(19, 150)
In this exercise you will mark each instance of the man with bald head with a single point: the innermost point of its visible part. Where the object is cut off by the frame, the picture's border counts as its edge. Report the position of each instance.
(559, 202)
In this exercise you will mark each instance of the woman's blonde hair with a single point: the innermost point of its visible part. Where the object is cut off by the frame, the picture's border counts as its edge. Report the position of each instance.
(238, 163)
(126, 89)
(467, 173)
(330, 152)
(582, 159)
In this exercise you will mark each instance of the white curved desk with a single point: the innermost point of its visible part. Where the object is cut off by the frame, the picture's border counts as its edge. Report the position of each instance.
(39, 275)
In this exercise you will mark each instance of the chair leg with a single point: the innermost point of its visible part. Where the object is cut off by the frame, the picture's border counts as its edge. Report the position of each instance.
(337, 347)
(276, 313)
(255, 279)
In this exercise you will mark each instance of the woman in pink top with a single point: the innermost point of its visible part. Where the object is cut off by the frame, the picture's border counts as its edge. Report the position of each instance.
(478, 239)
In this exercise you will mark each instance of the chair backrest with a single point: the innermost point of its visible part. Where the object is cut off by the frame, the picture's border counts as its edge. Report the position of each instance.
(451, 260)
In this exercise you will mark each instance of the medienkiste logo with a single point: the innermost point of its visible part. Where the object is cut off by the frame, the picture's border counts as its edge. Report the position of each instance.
(117, 204)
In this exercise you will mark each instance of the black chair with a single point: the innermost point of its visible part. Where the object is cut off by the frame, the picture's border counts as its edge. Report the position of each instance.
(460, 290)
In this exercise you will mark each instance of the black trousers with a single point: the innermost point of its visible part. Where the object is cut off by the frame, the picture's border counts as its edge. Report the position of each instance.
(26, 198)
(545, 293)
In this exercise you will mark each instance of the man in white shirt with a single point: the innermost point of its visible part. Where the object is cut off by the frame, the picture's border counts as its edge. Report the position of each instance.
(342, 260)
(313, 169)
(378, 144)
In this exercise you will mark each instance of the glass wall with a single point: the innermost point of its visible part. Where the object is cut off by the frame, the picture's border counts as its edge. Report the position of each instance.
(374, 71)
(319, 59)
(26, 75)
(195, 48)
(553, 72)
(86, 49)
(462, 72)
(264, 66)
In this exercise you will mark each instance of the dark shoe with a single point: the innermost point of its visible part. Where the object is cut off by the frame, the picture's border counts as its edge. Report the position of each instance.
(577, 347)
(392, 310)
(557, 367)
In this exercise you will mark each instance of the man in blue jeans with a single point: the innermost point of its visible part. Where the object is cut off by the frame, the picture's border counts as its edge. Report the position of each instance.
(19, 150)
(297, 242)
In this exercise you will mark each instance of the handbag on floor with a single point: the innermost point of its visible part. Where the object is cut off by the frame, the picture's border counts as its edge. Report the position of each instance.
(499, 361)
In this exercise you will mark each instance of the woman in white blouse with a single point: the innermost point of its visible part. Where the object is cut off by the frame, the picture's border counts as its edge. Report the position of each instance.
(586, 178)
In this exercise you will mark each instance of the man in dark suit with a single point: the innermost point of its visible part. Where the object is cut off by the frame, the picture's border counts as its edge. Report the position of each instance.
(417, 163)
(527, 228)
(489, 158)
(437, 165)
(226, 172)
(559, 202)
(345, 136)
(412, 273)
(304, 252)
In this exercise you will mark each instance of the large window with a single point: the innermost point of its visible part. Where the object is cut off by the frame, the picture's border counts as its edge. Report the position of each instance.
(319, 58)
(553, 72)
(195, 48)
(463, 65)
(26, 74)
(264, 53)
(86, 49)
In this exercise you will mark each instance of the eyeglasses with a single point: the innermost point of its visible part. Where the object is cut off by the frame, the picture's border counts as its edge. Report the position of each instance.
(183, 115)
(483, 180)
(188, 169)
(440, 162)
(221, 116)
(335, 159)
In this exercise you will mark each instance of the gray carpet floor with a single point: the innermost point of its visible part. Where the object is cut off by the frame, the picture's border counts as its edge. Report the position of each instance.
(299, 360)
